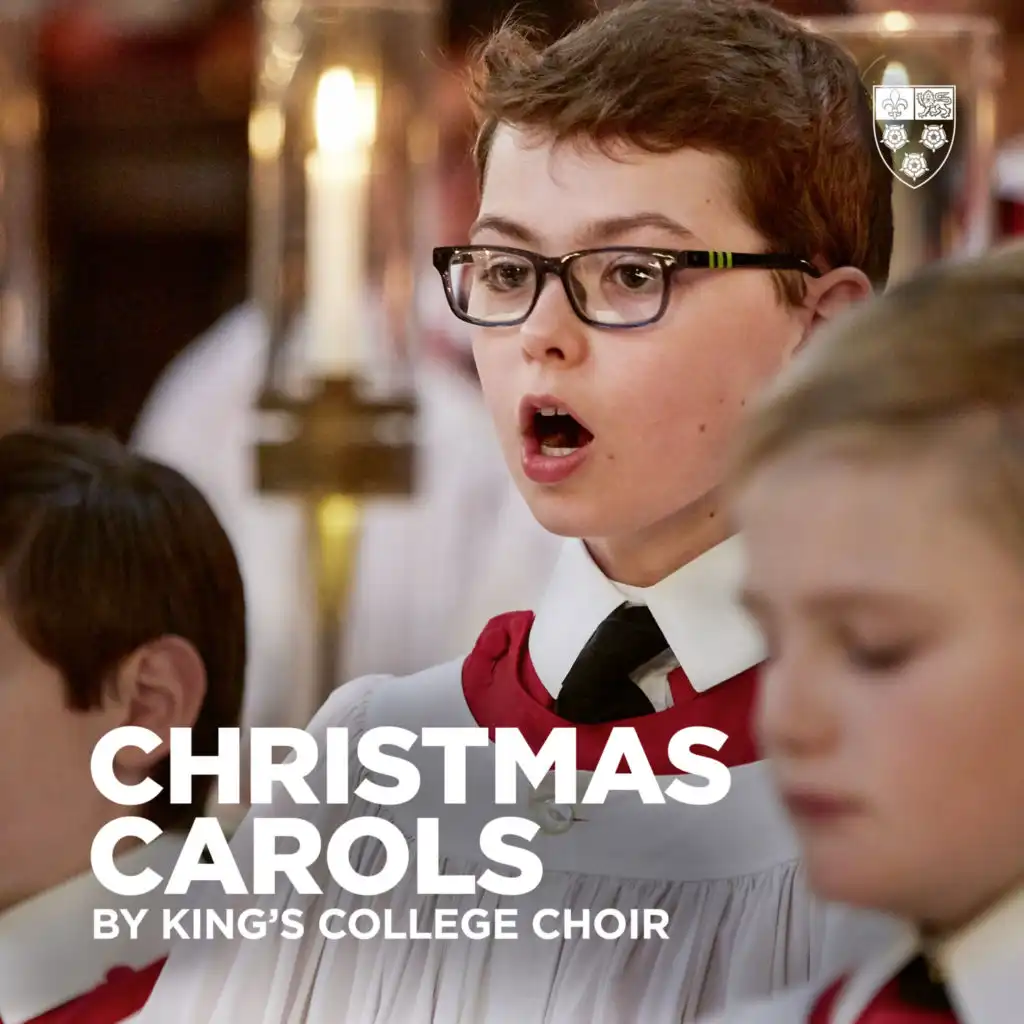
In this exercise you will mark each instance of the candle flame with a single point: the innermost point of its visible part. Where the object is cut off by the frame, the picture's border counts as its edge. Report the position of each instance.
(895, 74)
(345, 112)
(897, 22)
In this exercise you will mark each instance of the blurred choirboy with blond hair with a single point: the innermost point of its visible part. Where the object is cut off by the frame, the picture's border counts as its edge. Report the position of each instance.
(881, 496)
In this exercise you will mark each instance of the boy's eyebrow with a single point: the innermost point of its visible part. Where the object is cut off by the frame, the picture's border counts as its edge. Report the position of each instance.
(856, 598)
(504, 226)
(597, 232)
(836, 600)
(607, 229)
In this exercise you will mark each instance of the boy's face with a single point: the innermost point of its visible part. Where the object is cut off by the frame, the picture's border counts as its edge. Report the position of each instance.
(661, 402)
(891, 708)
(49, 807)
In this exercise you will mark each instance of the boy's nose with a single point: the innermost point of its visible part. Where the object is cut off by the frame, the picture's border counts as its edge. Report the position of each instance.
(793, 715)
(553, 333)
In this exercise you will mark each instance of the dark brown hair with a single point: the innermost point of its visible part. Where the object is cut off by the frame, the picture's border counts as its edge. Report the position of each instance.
(937, 363)
(103, 551)
(728, 76)
(468, 22)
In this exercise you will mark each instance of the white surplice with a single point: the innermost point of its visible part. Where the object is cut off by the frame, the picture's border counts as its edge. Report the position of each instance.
(742, 924)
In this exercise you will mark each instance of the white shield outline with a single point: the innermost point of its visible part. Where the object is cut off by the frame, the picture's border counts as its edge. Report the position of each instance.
(915, 128)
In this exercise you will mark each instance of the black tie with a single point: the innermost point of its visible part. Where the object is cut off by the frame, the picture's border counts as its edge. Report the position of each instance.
(598, 688)
(919, 987)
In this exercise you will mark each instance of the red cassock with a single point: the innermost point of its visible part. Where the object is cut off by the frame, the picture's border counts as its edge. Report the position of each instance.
(119, 998)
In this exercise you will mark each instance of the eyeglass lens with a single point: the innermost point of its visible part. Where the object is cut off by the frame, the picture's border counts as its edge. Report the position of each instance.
(613, 288)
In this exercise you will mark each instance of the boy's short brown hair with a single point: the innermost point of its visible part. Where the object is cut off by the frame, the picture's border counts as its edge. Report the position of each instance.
(727, 76)
(936, 364)
(102, 551)
(467, 22)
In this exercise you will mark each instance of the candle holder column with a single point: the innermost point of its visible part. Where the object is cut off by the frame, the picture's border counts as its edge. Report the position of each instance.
(21, 293)
(342, 143)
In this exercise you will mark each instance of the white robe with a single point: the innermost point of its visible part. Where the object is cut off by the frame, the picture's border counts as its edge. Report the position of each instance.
(742, 924)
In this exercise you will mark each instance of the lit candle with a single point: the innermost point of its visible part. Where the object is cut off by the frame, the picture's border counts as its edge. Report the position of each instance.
(895, 74)
(337, 183)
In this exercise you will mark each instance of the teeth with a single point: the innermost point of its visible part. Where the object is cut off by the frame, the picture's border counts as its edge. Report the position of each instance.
(552, 410)
(557, 453)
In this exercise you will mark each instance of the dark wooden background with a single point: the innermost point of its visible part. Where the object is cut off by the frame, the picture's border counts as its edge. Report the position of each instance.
(146, 158)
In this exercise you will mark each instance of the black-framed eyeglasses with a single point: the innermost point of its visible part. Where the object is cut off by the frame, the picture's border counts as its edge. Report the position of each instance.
(617, 287)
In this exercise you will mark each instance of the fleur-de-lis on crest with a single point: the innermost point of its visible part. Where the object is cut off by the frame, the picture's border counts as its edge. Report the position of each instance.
(894, 105)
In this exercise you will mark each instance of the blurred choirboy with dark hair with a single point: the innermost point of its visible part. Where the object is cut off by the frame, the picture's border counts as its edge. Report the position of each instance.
(121, 604)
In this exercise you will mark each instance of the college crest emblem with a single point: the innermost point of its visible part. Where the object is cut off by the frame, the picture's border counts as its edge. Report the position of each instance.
(914, 129)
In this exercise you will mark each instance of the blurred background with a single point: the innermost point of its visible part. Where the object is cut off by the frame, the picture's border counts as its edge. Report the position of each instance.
(134, 136)
(144, 178)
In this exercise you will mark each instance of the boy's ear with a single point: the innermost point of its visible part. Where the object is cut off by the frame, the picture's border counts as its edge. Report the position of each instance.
(159, 687)
(835, 291)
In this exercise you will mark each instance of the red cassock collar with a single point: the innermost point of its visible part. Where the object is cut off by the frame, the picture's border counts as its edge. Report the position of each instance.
(122, 995)
(885, 1008)
(503, 690)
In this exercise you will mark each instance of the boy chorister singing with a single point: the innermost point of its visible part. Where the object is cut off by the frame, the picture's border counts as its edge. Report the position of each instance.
(120, 604)
(674, 196)
(881, 497)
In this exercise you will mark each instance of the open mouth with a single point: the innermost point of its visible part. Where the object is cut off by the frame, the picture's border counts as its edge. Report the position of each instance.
(555, 431)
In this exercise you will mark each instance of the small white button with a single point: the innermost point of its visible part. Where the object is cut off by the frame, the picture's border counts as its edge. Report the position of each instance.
(553, 818)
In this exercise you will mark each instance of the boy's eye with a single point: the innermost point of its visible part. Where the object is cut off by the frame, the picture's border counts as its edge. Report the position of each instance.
(635, 276)
(505, 276)
(880, 658)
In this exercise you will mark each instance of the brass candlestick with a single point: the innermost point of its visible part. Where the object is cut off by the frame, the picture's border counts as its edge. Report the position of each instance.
(345, 449)
(342, 143)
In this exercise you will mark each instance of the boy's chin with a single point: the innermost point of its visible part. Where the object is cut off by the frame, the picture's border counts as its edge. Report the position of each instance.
(566, 516)
(855, 885)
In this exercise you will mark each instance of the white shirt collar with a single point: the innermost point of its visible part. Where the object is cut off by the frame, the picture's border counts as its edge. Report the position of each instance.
(48, 955)
(709, 633)
(982, 967)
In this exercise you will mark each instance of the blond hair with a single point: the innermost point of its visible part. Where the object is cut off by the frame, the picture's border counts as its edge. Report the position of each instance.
(937, 362)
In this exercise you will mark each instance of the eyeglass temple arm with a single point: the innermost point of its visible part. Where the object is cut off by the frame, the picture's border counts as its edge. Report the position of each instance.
(719, 260)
